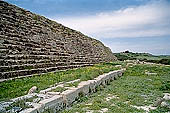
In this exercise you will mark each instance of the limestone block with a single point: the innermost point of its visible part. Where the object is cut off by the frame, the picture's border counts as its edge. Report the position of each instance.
(113, 75)
(69, 96)
(98, 80)
(55, 102)
(166, 96)
(116, 74)
(37, 109)
(43, 96)
(93, 85)
(120, 73)
(28, 96)
(47, 90)
(103, 79)
(107, 78)
(84, 86)
(32, 90)
(119, 66)
(53, 93)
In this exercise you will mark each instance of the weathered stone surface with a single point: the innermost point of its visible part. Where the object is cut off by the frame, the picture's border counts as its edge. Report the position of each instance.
(15, 109)
(56, 102)
(2, 109)
(38, 108)
(32, 44)
(69, 96)
(166, 96)
(84, 86)
(32, 90)
(93, 85)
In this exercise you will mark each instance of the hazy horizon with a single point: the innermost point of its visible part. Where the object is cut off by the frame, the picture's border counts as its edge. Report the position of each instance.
(134, 25)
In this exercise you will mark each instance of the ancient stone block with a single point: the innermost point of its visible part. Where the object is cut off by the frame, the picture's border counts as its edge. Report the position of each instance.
(56, 102)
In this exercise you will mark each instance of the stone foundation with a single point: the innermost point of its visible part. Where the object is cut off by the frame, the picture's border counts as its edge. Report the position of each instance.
(65, 99)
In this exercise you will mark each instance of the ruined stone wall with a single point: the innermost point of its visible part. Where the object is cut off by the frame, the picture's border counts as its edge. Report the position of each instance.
(31, 44)
(57, 101)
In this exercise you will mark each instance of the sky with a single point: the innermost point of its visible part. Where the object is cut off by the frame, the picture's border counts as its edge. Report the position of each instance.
(134, 25)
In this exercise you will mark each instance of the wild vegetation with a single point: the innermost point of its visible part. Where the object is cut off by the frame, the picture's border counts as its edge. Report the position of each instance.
(18, 87)
(162, 59)
(135, 88)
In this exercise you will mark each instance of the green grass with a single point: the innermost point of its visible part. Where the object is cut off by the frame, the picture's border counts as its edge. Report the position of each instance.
(75, 84)
(162, 59)
(134, 88)
(18, 87)
(149, 57)
(59, 89)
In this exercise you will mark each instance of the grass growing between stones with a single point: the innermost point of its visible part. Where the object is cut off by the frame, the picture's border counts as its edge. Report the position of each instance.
(75, 84)
(18, 87)
(59, 89)
(135, 88)
(20, 104)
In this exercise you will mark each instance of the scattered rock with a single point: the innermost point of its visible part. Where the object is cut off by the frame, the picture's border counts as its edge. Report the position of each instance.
(126, 102)
(112, 97)
(36, 100)
(113, 104)
(32, 90)
(29, 104)
(53, 93)
(166, 96)
(146, 108)
(103, 110)
(149, 79)
(165, 104)
(6, 104)
(148, 73)
(16, 109)
(129, 64)
(89, 104)
(2, 109)
(158, 102)
(89, 111)
(162, 101)
(118, 66)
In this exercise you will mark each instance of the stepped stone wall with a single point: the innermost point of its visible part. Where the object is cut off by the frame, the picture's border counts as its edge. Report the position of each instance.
(32, 44)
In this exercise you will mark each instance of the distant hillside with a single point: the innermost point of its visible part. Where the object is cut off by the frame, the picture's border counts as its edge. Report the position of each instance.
(164, 59)
(31, 44)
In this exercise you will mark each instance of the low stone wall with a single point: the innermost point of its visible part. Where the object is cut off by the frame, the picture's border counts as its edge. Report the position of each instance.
(60, 101)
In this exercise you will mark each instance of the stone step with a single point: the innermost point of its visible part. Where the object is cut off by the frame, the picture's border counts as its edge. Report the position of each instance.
(20, 62)
(11, 74)
(73, 66)
(35, 50)
(36, 57)
(4, 50)
(30, 66)
(26, 40)
(27, 72)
